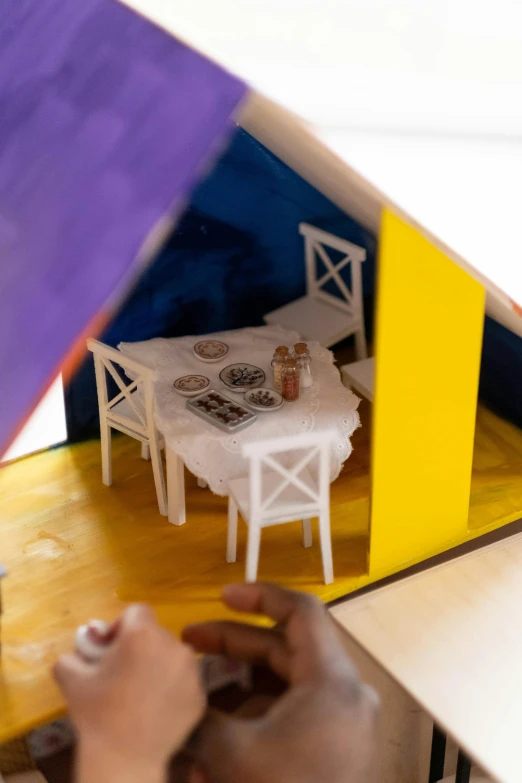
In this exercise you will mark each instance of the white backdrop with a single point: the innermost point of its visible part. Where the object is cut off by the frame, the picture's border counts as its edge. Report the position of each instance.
(426, 65)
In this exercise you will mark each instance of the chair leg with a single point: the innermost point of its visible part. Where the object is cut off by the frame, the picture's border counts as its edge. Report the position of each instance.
(105, 437)
(326, 547)
(463, 773)
(232, 531)
(254, 539)
(307, 533)
(159, 478)
(202, 483)
(361, 350)
(175, 487)
(437, 756)
(145, 451)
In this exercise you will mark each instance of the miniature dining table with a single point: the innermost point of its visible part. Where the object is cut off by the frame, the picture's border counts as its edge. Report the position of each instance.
(215, 456)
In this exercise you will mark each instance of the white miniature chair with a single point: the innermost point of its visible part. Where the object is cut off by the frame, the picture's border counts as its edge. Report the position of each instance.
(127, 413)
(274, 494)
(360, 376)
(320, 315)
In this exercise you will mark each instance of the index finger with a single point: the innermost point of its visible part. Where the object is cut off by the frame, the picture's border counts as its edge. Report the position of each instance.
(137, 634)
(309, 632)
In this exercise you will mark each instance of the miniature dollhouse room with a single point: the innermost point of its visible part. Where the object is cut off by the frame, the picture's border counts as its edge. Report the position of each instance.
(235, 255)
(415, 465)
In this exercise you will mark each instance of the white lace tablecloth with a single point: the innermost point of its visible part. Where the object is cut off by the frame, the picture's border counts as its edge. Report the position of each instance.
(214, 455)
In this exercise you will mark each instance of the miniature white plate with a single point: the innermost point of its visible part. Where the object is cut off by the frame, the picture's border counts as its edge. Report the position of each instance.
(263, 399)
(240, 377)
(190, 385)
(211, 350)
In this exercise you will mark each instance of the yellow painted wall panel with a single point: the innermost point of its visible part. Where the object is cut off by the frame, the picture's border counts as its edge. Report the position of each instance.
(430, 319)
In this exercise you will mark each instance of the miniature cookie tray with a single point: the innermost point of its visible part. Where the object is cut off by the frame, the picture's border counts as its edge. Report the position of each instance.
(224, 413)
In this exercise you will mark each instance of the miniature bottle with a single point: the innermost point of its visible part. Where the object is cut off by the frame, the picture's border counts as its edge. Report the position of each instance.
(304, 361)
(278, 361)
(290, 379)
(93, 640)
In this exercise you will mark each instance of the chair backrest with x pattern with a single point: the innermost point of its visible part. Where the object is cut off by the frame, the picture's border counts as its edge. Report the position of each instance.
(316, 242)
(105, 361)
(287, 457)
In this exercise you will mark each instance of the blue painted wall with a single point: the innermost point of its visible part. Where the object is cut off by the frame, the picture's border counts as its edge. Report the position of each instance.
(235, 255)
(501, 371)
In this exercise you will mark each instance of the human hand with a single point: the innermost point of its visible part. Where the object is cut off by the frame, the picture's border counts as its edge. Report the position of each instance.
(137, 705)
(322, 728)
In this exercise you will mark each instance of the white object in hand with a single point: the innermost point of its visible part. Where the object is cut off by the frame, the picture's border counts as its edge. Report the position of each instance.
(216, 671)
(86, 646)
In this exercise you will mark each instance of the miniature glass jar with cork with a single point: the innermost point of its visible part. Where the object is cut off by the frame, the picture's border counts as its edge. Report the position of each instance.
(290, 379)
(304, 361)
(280, 354)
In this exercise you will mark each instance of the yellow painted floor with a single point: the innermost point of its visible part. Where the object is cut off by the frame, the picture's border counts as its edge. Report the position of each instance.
(76, 549)
(496, 483)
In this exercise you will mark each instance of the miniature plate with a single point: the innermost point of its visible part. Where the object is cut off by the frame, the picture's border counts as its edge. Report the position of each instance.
(240, 377)
(211, 350)
(263, 399)
(190, 385)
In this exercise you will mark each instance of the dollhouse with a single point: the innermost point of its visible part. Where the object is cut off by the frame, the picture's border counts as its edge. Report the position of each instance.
(191, 226)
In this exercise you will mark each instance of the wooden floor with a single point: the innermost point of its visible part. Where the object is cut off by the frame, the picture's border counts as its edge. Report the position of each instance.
(76, 549)
(496, 483)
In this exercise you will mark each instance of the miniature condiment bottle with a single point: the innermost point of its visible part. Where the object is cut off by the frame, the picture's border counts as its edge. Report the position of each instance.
(93, 639)
(278, 361)
(290, 379)
(304, 361)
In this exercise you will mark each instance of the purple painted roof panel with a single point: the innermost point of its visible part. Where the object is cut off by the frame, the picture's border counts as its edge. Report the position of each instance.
(105, 122)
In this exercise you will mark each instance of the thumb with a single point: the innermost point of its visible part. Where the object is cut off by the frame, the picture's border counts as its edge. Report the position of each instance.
(71, 671)
(222, 745)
